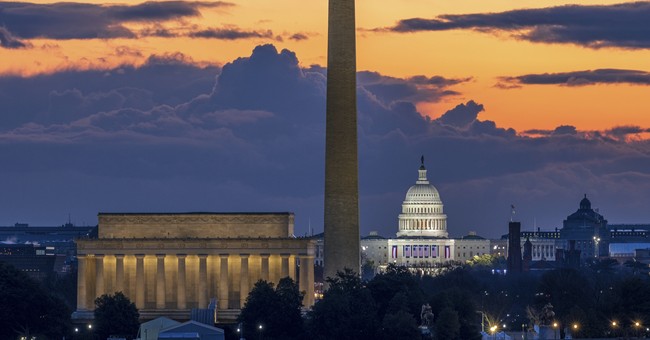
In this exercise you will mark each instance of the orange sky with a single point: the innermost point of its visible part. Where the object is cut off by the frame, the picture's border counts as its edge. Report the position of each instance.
(452, 54)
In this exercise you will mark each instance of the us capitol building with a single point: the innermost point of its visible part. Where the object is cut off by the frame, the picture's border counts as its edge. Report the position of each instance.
(422, 240)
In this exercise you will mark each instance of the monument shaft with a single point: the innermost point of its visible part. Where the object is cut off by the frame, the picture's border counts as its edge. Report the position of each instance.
(341, 164)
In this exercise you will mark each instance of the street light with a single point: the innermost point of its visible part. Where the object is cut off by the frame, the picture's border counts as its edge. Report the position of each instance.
(555, 325)
(493, 329)
(240, 330)
(596, 250)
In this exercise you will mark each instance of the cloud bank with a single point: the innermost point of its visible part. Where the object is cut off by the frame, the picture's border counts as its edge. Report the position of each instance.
(622, 25)
(70, 20)
(579, 78)
(173, 136)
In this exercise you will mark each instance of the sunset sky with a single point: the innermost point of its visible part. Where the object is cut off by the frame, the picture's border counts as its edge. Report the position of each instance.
(184, 106)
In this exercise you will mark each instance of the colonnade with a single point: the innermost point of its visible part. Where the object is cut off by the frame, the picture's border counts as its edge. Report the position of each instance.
(423, 224)
(183, 281)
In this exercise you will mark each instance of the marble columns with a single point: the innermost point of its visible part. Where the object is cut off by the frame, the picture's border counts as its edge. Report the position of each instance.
(81, 282)
(243, 280)
(119, 272)
(203, 281)
(223, 282)
(160, 281)
(99, 275)
(181, 299)
(139, 281)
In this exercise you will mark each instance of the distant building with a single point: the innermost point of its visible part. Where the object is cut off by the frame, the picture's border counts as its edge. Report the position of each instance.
(514, 247)
(585, 234)
(33, 260)
(58, 241)
(588, 228)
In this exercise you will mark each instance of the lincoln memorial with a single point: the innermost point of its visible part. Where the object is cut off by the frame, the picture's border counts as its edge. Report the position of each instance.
(170, 263)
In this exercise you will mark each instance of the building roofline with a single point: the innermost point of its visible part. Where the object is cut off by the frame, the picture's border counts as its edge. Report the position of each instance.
(192, 213)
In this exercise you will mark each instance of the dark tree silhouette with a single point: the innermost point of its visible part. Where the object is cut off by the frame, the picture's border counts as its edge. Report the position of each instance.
(447, 325)
(277, 310)
(393, 281)
(399, 325)
(347, 310)
(115, 315)
(27, 309)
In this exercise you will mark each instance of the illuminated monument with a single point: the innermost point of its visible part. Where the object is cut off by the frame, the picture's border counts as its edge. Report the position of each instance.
(170, 263)
(422, 211)
(341, 168)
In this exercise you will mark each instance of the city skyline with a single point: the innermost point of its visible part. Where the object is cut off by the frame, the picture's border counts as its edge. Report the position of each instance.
(183, 106)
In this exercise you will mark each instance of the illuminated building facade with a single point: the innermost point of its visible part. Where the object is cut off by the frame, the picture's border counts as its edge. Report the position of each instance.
(422, 239)
(169, 264)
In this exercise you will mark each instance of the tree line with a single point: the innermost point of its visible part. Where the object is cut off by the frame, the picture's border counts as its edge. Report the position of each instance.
(599, 299)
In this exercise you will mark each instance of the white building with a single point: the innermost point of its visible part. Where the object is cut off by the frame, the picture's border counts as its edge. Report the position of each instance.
(422, 238)
(422, 211)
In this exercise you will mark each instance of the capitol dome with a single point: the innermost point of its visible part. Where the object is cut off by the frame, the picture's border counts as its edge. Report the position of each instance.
(422, 211)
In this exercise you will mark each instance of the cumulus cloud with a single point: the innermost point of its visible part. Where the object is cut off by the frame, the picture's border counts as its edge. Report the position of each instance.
(168, 79)
(173, 136)
(462, 115)
(69, 20)
(580, 78)
(415, 89)
(622, 25)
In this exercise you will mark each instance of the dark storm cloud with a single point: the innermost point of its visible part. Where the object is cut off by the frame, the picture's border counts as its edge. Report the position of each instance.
(416, 89)
(7, 40)
(462, 115)
(623, 25)
(168, 137)
(168, 79)
(230, 33)
(623, 132)
(438, 80)
(558, 131)
(582, 78)
(69, 20)
(299, 36)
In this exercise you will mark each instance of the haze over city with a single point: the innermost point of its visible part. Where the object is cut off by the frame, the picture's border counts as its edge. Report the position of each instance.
(220, 106)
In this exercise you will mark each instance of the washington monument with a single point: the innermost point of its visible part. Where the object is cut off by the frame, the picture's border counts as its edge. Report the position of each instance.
(341, 165)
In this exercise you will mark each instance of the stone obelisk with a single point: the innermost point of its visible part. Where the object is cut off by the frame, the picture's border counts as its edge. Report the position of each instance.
(341, 165)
